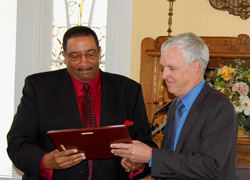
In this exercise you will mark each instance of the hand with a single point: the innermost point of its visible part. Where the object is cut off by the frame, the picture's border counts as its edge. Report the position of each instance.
(63, 159)
(130, 166)
(136, 152)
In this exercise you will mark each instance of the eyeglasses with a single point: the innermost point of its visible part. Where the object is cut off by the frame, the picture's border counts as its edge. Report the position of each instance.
(92, 54)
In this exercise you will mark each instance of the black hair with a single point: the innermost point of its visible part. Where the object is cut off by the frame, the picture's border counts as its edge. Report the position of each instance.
(78, 31)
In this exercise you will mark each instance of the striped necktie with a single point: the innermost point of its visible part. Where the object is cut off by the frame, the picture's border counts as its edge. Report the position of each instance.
(177, 117)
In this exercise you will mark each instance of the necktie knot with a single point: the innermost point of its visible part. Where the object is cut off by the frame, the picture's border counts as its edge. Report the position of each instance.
(86, 88)
(180, 105)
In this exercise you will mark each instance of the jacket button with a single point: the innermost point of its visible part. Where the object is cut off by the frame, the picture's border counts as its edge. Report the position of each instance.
(82, 171)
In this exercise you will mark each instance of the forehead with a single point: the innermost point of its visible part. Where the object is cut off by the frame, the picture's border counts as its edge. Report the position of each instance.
(172, 56)
(81, 43)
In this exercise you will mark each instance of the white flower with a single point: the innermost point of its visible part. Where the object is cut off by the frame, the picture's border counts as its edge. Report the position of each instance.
(238, 109)
(245, 104)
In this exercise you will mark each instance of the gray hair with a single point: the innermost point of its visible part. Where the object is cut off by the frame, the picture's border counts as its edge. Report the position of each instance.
(192, 46)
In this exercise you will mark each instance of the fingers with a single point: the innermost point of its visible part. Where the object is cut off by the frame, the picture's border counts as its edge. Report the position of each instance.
(120, 146)
(127, 165)
(63, 159)
(136, 152)
(69, 160)
(123, 150)
(130, 166)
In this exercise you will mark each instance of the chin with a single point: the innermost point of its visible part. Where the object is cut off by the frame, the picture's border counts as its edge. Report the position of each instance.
(171, 90)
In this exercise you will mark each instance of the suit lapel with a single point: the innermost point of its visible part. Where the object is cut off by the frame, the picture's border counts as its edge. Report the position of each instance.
(109, 101)
(192, 116)
(108, 104)
(68, 102)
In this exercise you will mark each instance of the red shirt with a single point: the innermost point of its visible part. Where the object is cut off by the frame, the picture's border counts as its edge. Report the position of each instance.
(96, 90)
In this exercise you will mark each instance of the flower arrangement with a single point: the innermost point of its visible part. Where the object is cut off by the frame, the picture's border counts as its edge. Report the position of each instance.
(234, 82)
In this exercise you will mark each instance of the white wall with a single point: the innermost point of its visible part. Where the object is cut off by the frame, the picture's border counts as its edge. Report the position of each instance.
(119, 36)
(33, 43)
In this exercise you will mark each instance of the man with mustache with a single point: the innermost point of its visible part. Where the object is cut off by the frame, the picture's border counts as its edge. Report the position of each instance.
(53, 101)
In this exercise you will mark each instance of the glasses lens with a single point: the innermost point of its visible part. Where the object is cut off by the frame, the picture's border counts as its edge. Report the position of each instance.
(89, 55)
(75, 57)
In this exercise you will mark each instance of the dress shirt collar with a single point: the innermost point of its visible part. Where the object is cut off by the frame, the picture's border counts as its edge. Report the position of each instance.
(191, 96)
(94, 85)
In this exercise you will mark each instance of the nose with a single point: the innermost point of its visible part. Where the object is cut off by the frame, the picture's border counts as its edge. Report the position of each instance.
(83, 60)
(165, 73)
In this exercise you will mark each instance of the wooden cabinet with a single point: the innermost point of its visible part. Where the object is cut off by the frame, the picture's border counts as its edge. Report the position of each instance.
(243, 151)
(225, 49)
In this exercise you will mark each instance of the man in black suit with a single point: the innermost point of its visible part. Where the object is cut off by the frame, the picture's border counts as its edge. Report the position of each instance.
(53, 101)
(203, 145)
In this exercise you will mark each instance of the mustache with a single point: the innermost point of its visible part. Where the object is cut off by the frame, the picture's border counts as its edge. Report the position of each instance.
(85, 68)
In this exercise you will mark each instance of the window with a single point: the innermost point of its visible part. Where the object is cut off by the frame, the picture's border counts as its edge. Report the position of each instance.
(7, 74)
(33, 48)
(91, 13)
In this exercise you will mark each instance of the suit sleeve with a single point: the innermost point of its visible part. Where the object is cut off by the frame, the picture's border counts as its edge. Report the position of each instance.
(141, 128)
(208, 148)
(22, 137)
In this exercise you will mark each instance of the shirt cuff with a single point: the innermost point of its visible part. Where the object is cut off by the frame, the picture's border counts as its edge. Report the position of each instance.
(45, 173)
(150, 162)
(133, 174)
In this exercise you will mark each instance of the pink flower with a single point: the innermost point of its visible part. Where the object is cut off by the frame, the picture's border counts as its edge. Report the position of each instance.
(241, 87)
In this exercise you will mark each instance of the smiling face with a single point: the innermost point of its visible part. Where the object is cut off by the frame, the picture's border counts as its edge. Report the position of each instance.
(84, 69)
(179, 77)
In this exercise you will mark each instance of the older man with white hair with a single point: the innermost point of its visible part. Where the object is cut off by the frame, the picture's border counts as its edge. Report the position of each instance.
(201, 131)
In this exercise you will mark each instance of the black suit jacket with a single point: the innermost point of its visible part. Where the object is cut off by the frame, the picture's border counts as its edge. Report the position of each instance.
(206, 148)
(49, 103)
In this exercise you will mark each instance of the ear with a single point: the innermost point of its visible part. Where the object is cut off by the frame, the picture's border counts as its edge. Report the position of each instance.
(64, 55)
(100, 49)
(196, 67)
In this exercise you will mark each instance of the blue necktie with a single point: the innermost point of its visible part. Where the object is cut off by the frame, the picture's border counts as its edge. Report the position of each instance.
(177, 117)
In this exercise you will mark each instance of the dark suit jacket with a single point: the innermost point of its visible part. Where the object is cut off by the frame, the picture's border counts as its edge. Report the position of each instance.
(49, 103)
(206, 148)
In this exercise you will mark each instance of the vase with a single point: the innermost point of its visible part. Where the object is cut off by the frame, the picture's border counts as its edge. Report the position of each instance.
(241, 132)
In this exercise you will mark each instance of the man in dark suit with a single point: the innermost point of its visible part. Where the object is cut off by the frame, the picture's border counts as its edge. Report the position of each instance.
(53, 101)
(200, 137)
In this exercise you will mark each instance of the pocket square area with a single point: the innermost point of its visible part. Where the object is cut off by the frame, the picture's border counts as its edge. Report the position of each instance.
(128, 123)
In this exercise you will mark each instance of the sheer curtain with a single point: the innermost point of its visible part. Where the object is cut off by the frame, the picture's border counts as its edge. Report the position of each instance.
(7, 51)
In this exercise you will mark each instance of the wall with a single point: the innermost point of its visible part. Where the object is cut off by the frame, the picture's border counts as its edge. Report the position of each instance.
(150, 19)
